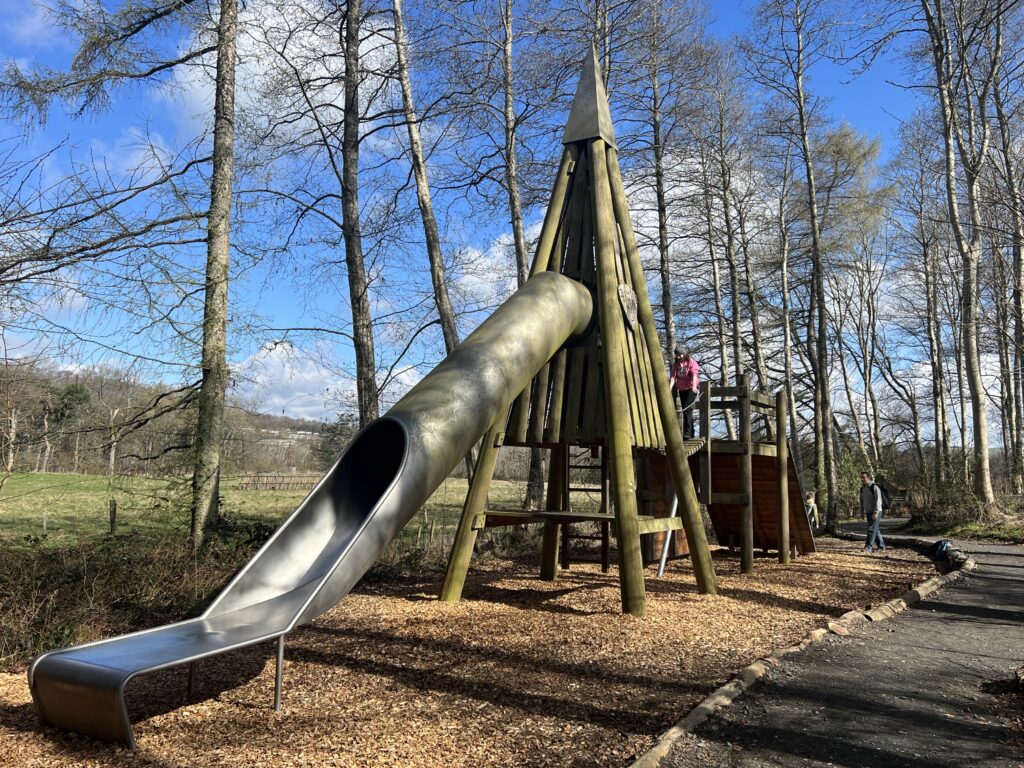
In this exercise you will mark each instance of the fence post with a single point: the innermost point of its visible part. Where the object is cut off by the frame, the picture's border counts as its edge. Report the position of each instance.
(746, 480)
(782, 474)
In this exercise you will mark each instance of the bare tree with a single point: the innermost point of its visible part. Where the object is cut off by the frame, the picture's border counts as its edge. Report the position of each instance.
(966, 54)
(789, 38)
(212, 391)
(423, 197)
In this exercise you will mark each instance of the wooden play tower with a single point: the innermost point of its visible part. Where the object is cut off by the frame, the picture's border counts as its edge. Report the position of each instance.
(606, 396)
(746, 483)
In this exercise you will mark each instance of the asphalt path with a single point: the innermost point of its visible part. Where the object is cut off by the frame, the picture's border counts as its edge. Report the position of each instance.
(933, 687)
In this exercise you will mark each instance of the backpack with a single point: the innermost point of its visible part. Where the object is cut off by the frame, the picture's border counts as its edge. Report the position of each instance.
(940, 549)
(886, 499)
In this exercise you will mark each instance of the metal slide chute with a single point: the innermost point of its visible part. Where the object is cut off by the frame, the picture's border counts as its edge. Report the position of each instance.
(319, 553)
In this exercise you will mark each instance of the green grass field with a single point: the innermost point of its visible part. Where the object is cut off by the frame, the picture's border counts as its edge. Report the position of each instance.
(76, 507)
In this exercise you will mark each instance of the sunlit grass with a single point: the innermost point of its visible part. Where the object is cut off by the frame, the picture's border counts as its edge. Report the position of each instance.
(1008, 532)
(68, 507)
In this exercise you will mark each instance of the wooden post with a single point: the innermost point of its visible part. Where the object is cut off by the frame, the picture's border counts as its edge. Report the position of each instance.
(465, 535)
(705, 432)
(558, 480)
(618, 437)
(554, 430)
(556, 204)
(542, 258)
(112, 510)
(606, 495)
(564, 547)
(700, 554)
(782, 474)
(549, 551)
(746, 481)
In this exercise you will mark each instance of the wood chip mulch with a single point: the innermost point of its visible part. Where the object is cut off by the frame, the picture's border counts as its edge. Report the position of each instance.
(520, 673)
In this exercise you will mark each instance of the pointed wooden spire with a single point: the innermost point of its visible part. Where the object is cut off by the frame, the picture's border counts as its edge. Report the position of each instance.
(590, 117)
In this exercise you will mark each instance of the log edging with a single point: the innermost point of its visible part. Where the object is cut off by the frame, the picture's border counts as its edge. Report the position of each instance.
(753, 673)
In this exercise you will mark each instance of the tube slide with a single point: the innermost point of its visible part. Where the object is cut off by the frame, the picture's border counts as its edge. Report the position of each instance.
(319, 553)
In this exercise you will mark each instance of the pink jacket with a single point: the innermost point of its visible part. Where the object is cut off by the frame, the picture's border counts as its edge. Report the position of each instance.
(684, 374)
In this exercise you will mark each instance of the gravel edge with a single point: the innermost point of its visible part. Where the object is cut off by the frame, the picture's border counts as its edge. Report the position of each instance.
(753, 673)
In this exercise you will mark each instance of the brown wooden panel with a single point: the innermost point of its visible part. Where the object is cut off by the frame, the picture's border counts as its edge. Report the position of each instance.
(726, 517)
(659, 479)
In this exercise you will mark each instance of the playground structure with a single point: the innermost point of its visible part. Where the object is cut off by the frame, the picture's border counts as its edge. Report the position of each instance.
(608, 392)
(571, 359)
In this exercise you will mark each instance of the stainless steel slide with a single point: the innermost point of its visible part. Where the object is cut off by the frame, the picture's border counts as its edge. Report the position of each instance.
(319, 553)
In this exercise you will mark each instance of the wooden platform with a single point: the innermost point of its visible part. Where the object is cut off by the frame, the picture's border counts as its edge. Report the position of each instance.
(648, 523)
(725, 511)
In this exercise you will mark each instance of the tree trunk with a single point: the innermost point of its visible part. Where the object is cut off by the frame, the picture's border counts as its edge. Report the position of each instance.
(723, 349)
(438, 277)
(968, 243)
(1003, 330)
(206, 473)
(423, 198)
(730, 260)
(1016, 205)
(12, 437)
(358, 288)
(824, 469)
(938, 373)
(787, 329)
(663, 249)
(47, 447)
(535, 480)
(112, 450)
(966, 468)
(515, 205)
(752, 308)
(857, 429)
(870, 352)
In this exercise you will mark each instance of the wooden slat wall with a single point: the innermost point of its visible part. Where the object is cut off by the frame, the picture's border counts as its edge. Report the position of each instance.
(565, 401)
(726, 517)
(658, 481)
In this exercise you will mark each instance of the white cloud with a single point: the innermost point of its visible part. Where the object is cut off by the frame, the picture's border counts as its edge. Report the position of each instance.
(277, 43)
(484, 278)
(281, 378)
(28, 24)
(135, 152)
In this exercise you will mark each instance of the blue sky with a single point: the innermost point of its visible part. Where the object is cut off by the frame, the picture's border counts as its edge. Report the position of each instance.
(872, 102)
(288, 379)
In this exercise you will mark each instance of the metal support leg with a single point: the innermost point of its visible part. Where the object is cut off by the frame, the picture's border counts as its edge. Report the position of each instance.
(191, 681)
(277, 675)
(668, 537)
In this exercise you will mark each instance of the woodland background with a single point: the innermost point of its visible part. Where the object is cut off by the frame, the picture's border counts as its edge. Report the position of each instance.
(385, 169)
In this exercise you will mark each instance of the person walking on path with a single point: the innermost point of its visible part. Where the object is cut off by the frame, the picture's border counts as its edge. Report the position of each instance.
(871, 508)
(685, 382)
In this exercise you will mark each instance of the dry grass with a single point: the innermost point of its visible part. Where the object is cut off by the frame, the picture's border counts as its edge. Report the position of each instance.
(520, 673)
